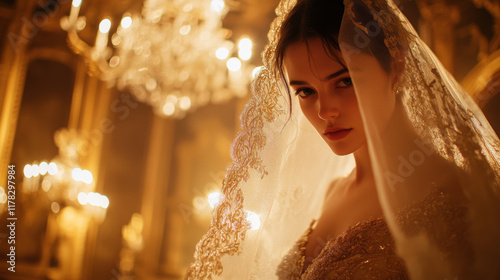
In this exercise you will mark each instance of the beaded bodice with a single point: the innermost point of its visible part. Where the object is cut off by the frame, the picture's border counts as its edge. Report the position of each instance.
(367, 251)
(363, 251)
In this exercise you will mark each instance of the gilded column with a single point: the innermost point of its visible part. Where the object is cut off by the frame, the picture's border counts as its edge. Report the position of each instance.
(154, 207)
(19, 34)
(438, 29)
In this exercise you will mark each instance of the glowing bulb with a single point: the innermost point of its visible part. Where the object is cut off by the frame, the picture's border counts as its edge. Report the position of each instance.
(76, 174)
(245, 54)
(82, 198)
(77, 3)
(217, 5)
(28, 171)
(105, 26)
(256, 71)
(169, 109)
(55, 207)
(233, 64)
(114, 61)
(214, 198)
(93, 198)
(185, 103)
(185, 29)
(46, 184)
(35, 171)
(222, 53)
(126, 22)
(43, 168)
(86, 177)
(52, 168)
(245, 44)
(254, 220)
(151, 84)
(172, 99)
(104, 202)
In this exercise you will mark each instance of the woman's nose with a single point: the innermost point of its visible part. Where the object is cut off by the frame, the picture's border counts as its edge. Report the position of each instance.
(327, 106)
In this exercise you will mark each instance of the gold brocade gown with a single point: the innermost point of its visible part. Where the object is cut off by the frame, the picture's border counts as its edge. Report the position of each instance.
(366, 250)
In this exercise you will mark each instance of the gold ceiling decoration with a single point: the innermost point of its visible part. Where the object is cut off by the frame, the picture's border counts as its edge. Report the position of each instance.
(174, 55)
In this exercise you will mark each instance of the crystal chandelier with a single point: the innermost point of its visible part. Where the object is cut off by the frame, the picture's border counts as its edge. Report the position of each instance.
(174, 56)
(63, 182)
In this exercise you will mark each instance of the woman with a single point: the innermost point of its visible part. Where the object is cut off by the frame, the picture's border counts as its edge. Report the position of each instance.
(422, 200)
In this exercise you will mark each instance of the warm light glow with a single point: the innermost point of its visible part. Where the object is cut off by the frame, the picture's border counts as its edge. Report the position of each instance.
(77, 3)
(3, 196)
(199, 203)
(217, 5)
(116, 39)
(222, 53)
(93, 199)
(55, 207)
(105, 26)
(137, 50)
(126, 22)
(214, 198)
(185, 29)
(104, 202)
(52, 168)
(114, 61)
(254, 220)
(82, 175)
(35, 171)
(245, 44)
(28, 171)
(76, 174)
(43, 168)
(172, 99)
(233, 64)
(256, 71)
(87, 177)
(245, 54)
(82, 198)
(151, 84)
(46, 184)
(185, 103)
(245, 48)
(187, 8)
(169, 109)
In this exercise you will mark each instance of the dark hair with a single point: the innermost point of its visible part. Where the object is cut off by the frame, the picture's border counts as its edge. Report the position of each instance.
(310, 19)
(322, 19)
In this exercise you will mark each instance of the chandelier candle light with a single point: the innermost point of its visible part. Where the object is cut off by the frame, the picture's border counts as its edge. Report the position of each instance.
(174, 55)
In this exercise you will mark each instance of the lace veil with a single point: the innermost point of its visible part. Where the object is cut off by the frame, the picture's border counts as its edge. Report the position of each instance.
(434, 156)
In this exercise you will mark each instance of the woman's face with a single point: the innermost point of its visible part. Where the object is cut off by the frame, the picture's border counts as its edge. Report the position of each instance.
(326, 95)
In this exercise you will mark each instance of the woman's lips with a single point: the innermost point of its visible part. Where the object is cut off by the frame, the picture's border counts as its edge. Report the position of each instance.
(338, 134)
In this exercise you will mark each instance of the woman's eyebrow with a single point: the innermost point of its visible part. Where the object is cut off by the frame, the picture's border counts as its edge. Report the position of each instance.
(329, 77)
(297, 83)
(336, 74)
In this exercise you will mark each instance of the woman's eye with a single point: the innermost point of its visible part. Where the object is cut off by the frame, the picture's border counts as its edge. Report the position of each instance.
(304, 92)
(346, 82)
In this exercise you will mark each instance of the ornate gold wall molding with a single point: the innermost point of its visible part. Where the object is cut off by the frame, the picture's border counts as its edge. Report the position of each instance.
(52, 54)
(14, 66)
